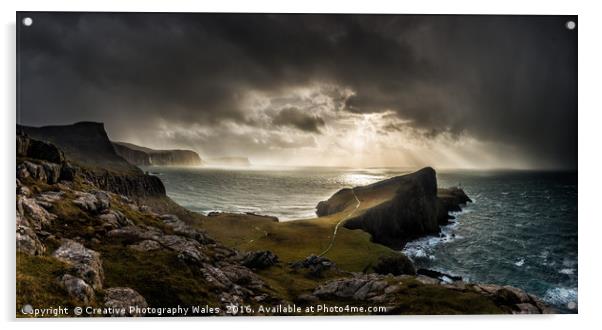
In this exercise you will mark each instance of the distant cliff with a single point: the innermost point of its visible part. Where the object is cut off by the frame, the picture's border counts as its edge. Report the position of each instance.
(229, 161)
(86, 152)
(399, 209)
(138, 155)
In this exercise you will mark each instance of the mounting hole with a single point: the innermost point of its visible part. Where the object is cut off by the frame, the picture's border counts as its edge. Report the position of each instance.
(571, 25)
(27, 21)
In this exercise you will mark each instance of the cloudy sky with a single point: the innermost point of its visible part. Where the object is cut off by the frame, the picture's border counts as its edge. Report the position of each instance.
(340, 90)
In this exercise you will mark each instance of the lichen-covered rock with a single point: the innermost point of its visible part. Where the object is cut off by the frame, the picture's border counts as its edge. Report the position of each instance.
(259, 259)
(189, 250)
(145, 246)
(27, 240)
(126, 299)
(93, 203)
(77, 288)
(358, 287)
(85, 262)
(36, 215)
(114, 219)
(181, 228)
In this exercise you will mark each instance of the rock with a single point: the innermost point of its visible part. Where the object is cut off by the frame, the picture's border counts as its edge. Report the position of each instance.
(77, 288)
(395, 265)
(189, 250)
(36, 215)
(34, 171)
(104, 201)
(526, 308)
(181, 228)
(315, 264)
(68, 172)
(260, 259)
(427, 280)
(93, 203)
(32, 148)
(27, 240)
(49, 197)
(306, 299)
(145, 246)
(124, 298)
(53, 172)
(358, 287)
(86, 262)
(22, 172)
(114, 219)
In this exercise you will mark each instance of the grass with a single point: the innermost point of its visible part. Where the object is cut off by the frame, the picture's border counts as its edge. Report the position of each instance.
(36, 283)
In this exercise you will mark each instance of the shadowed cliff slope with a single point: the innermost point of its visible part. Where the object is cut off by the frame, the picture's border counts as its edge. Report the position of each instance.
(399, 209)
(88, 153)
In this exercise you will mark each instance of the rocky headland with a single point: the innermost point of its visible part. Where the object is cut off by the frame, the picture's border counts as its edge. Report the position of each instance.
(138, 155)
(398, 209)
(94, 230)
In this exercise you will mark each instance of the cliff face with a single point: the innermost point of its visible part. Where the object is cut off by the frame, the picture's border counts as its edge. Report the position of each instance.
(400, 209)
(83, 150)
(137, 155)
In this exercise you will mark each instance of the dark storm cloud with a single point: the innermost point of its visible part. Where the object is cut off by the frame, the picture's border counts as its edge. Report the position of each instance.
(506, 79)
(297, 118)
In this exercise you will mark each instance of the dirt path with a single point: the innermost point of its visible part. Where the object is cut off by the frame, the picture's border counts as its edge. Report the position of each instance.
(336, 228)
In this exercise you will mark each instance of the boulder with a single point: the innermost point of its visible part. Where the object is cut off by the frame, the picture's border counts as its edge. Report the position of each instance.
(77, 288)
(53, 172)
(27, 240)
(85, 262)
(36, 215)
(181, 228)
(124, 298)
(315, 264)
(114, 219)
(98, 202)
(259, 259)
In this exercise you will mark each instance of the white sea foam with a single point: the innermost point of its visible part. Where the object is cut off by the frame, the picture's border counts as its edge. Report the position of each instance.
(560, 296)
(567, 271)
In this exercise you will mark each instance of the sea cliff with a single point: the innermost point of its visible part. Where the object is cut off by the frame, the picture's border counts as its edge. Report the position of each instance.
(138, 155)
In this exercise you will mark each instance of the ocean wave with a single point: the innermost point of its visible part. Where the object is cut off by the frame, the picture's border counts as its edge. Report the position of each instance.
(561, 296)
(567, 271)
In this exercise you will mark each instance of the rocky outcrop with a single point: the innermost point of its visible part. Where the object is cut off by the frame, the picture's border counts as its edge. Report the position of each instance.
(139, 185)
(412, 209)
(316, 265)
(81, 150)
(138, 155)
(374, 288)
(27, 147)
(77, 288)
(86, 263)
(260, 259)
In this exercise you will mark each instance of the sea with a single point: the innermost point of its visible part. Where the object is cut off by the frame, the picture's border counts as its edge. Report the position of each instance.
(520, 229)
